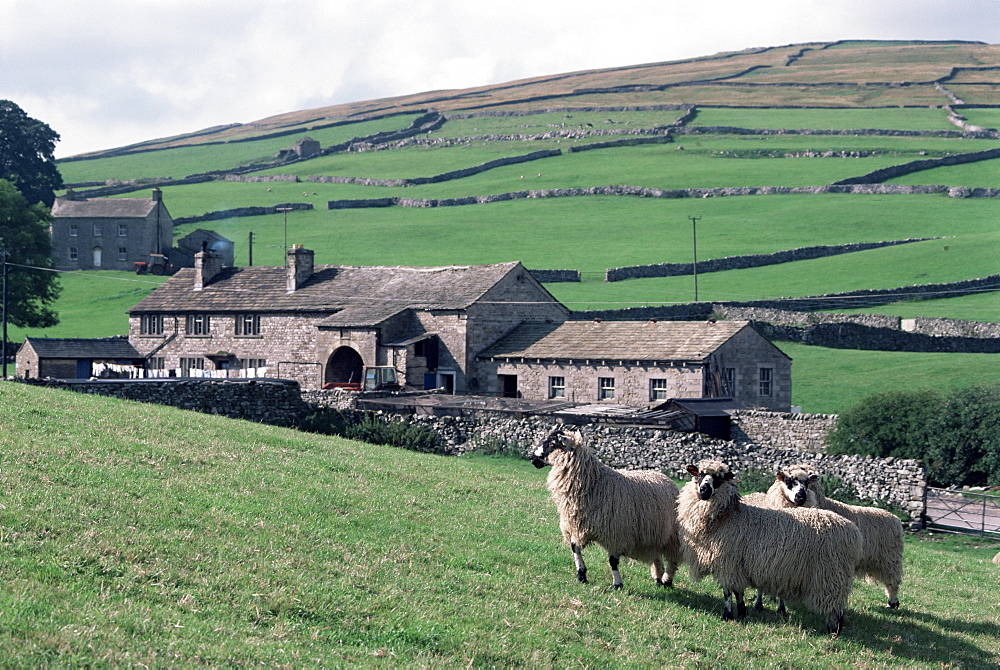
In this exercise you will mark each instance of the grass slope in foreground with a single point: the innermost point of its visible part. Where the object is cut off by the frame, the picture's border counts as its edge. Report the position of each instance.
(151, 535)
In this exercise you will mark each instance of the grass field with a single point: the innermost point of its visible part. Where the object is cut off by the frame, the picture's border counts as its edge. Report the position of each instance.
(152, 536)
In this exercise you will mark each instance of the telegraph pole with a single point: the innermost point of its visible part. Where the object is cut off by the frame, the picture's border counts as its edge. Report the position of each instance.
(286, 210)
(250, 250)
(694, 240)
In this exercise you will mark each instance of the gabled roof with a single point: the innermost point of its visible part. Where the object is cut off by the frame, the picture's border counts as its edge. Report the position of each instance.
(103, 208)
(103, 348)
(616, 340)
(351, 295)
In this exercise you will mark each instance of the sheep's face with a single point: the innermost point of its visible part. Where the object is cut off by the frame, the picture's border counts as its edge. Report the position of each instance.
(795, 485)
(566, 439)
(710, 478)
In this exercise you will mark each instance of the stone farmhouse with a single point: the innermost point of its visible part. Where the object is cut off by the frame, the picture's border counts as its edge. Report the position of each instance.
(108, 233)
(479, 329)
(639, 363)
(41, 357)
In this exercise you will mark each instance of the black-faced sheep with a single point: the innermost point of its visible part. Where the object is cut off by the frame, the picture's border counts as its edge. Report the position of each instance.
(804, 555)
(629, 513)
(882, 556)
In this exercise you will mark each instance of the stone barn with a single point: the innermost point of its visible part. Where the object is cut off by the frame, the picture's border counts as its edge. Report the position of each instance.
(59, 358)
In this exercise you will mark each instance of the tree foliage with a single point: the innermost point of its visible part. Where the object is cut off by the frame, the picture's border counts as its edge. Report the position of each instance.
(27, 155)
(24, 235)
(956, 434)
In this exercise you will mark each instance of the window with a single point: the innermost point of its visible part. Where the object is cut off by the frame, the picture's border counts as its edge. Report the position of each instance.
(557, 387)
(605, 388)
(156, 363)
(198, 324)
(251, 363)
(122, 254)
(729, 382)
(658, 389)
(122, 230)
(97, 230)
(151, 324)
(74, 254)
(766, 382)
(189, 364)
(248, 324)
(74, 230)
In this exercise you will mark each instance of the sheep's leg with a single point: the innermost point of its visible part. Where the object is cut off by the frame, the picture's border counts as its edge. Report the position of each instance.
(727, 605)
(758, 604)
(741, 607)
(835, 621)
(581, 567)
(661, 576)
(781, 606)
(616, 577)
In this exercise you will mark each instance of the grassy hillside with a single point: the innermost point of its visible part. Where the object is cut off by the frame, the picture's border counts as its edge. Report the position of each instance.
(148, 535)
(792, 116)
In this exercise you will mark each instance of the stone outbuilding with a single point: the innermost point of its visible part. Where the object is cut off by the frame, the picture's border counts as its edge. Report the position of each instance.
(63, 358)
(108, 233)
(639, 363)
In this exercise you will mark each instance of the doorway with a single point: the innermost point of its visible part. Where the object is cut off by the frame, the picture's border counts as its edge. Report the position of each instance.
(508, 386)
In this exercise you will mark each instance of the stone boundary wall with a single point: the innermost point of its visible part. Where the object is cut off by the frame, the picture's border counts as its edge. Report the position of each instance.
(783, 430)
(879, 176)
(272, 401)
(665, 138)
(866, 132)
(261, 177)
(555, 276)
(895, 481)
(243, 211)
(747, 261)
(641, 192)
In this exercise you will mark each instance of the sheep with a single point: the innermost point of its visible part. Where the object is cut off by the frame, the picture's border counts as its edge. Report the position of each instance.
(882, 557)
(629, 513)
(807, 555)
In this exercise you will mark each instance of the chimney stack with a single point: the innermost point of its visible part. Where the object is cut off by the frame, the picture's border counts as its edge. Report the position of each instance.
(207, 264)
(298, 267)
(157, 195)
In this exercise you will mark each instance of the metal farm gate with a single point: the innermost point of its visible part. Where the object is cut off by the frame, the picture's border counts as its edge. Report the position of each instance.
(962, 511)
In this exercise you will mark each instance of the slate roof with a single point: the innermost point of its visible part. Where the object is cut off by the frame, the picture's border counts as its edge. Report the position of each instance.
(108, 348)
(103, 208)
(350, 295)
(616, 340)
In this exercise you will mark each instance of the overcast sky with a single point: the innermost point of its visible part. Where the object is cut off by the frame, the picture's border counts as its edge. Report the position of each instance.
(106, 73)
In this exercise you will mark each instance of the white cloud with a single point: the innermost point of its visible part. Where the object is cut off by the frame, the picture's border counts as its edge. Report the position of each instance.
(110, 72)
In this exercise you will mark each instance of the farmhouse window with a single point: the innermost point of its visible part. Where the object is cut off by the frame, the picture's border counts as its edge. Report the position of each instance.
(198, 325)
(122, 254)
(74, 230)
(74, 254)
(156, 363)
(122, 230)
(151, 324)
(250, 363)
(97, 230)
(658, 389)
(557, 387)
(189, 364)
(605, 388)
(766, 382)
(248, 324)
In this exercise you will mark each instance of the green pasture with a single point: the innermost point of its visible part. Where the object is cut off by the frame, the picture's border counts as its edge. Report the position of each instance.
(536, 124)
(826, 119)
(982, 117)
(977, 307)
(831, 380)
(982, 174)
(143, 535)
(977, 93)
(183, 161)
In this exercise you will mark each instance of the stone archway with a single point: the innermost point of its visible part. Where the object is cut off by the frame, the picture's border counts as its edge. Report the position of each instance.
(344, 367)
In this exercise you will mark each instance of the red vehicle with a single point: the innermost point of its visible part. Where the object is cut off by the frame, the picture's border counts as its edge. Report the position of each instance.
(156, 265)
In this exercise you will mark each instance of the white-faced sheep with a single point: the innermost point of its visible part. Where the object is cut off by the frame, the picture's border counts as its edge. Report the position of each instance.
(804, 555)
(629, 513)
(882, 556)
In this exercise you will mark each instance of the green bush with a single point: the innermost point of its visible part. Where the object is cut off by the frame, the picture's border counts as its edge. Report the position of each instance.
(374, 430)
(753, 480)
(956, 434)
(325, 421)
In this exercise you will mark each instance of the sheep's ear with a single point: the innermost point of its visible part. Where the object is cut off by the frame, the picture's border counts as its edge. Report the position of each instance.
(781, 476)
(728, 476)
(693, 470)
(813, 477)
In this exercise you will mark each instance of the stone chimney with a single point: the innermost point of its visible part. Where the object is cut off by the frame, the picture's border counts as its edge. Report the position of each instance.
(207, 264)
(157, 195)
(299, 267)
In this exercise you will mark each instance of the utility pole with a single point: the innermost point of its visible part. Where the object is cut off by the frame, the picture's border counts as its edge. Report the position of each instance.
(286, 210)
(694, 240)
(3, 351)
(250, 250)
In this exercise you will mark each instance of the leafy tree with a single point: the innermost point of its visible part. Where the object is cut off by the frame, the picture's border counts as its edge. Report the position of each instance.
(27, 148)
(963, 438)
(885, 424)
(24, 235)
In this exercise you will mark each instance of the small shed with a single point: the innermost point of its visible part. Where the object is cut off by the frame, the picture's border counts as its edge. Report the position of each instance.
(711, 416)
(64, 358)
